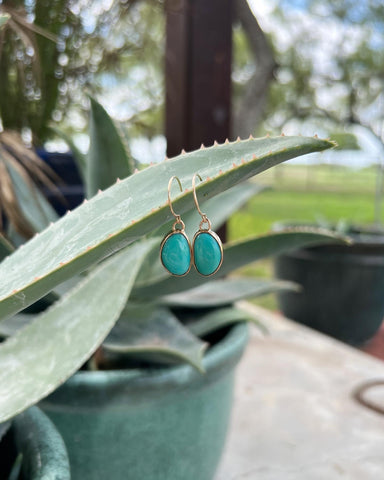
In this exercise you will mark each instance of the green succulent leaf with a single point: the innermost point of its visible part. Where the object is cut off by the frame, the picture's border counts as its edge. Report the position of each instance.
(33, 204)
(237, 255)
(224, 292)
(130, 209)
(32, 367)
(108, 157)
(220, 318)
(152, 333)
(6, 248)
(11, 325)
(4, 427)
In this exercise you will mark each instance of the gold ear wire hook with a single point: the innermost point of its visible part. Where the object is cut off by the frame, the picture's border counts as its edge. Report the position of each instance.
(203, 215)
(169, 195)
(194, 193)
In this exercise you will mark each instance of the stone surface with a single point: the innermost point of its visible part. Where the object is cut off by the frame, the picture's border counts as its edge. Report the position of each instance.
(207, 253)
(295, 416)
(176, 254)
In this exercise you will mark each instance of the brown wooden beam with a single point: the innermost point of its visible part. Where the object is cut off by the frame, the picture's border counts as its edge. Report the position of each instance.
(198, 73)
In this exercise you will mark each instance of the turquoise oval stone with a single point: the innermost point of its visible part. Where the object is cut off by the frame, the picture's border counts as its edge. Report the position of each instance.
(207, 253)
(176, 254)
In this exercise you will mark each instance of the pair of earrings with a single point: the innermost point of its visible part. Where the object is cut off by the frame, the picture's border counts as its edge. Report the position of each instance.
(176, 253)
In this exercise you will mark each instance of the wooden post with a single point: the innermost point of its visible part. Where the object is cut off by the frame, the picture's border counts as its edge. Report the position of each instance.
(198, 73)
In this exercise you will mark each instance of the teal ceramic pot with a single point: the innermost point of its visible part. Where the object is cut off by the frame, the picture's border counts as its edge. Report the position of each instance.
(44, 456)
(342, 287)
(166, 424)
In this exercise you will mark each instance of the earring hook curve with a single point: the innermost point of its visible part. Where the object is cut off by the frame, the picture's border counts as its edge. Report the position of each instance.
(177, 216)
(204, 217)
(195, 195)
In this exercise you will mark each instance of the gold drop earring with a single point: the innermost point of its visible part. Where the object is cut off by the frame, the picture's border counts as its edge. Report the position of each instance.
(175, 249)
(206, 247)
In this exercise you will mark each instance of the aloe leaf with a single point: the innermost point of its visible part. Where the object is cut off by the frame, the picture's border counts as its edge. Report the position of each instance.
(33, 204)
(237, 255)
(130, 209)
(224, 292)
(6, 248)
(220, 318)
(79, 157)
(4, 427)
(153, 333)
(32, 367)
(108, 157)
(218, 210)
(11, 325)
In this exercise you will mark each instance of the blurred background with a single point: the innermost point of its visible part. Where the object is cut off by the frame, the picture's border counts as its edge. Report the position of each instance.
(297, 66)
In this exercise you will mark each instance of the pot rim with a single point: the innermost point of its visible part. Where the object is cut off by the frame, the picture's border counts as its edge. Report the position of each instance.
(366, 236)
(217, 361)
(43, 449)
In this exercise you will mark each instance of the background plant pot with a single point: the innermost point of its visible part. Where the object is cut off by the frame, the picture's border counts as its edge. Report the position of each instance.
(44, 455)
(72, 189)
(149, 424)
(343, 287)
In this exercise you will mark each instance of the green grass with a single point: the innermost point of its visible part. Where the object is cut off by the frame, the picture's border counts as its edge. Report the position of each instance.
(276, 205)
(336, 194)
(323, 177)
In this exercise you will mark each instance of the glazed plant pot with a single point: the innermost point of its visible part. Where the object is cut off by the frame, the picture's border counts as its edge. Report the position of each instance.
(70, 185)
(342, 287)
(149, 424)
(44, 456)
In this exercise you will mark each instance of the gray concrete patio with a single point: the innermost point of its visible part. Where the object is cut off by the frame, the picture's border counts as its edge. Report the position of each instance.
(295, 417)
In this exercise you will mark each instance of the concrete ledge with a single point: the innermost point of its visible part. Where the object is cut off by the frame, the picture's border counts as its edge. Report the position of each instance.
(295, 416)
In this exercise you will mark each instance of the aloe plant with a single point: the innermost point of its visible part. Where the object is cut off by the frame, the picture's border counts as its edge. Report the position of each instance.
(104, 257)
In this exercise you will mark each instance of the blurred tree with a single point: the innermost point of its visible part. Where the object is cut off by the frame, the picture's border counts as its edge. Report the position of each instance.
(251, 80)
(330, 57)
(51, 51)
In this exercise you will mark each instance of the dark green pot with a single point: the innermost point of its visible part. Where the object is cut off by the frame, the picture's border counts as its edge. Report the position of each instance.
(44, 456)
(149, 424)
(342, 287)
